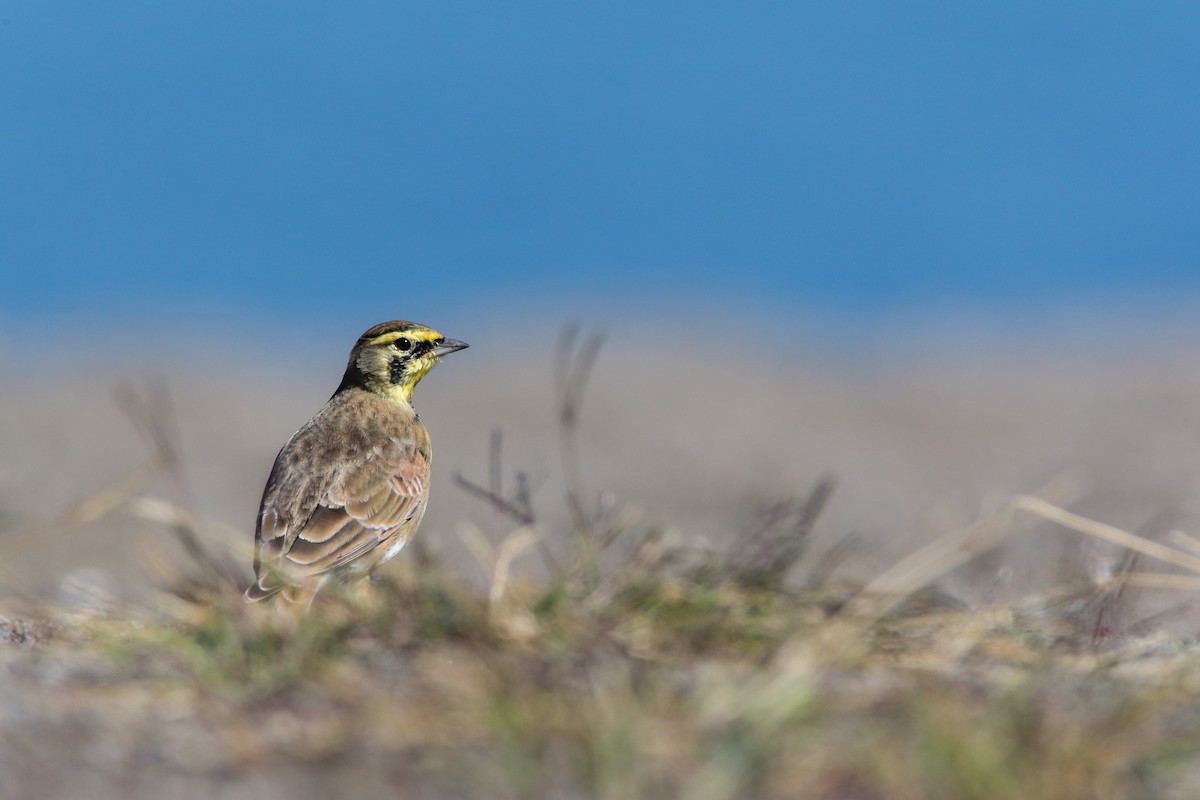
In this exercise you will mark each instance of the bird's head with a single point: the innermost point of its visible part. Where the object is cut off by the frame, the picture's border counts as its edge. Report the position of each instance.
(392, 357)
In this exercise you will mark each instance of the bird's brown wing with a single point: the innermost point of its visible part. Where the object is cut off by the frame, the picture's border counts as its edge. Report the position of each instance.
(314, 521)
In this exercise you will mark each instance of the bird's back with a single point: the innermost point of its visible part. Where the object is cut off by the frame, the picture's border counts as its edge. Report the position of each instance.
(345, 494)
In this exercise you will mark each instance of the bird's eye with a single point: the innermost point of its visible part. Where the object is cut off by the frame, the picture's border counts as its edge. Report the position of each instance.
(402, 344)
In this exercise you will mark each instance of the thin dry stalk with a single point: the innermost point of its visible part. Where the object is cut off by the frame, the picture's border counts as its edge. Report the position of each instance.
(518, 507)
(151, 411)
(947, 553)
(1108, 533)
(76, 516)
(770, 553)
(512, 546)
(1111, 596)
(508, 508)
(496, 560)
(1159, 580)
(1184, 541)
(573, 365)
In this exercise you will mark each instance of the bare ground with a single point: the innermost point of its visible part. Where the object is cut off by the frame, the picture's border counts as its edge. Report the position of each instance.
(689, 669)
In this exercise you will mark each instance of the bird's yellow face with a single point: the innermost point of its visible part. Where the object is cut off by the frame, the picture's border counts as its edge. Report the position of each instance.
(390, 359)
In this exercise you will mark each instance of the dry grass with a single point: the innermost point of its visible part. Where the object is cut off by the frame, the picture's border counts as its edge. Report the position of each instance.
(601, 654)
(665, 673)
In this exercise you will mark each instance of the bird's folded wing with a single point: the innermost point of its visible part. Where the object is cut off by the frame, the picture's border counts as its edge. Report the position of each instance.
(344, 513)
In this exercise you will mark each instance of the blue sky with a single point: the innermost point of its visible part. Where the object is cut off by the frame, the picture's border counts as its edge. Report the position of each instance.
(350, 162)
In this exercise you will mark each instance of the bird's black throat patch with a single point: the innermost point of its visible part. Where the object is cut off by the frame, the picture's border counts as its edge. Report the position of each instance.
(396, 369)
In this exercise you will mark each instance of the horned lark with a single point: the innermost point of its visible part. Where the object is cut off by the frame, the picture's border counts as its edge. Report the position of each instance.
(349, 489)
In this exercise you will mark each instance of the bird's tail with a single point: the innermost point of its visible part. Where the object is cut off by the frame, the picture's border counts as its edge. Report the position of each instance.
(300, 594)
(258, 592)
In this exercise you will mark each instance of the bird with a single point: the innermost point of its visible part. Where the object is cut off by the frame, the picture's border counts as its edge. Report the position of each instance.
(348, 490)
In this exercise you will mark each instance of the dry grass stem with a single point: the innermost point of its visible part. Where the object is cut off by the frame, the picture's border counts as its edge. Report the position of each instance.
(1108, 533)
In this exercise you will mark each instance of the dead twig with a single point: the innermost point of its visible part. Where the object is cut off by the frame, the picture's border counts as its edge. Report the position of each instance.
(518, 508)
(768, 555)
(508, 508)
(573, 365)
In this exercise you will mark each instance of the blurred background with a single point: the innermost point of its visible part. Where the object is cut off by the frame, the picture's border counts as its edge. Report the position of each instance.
(942, 251)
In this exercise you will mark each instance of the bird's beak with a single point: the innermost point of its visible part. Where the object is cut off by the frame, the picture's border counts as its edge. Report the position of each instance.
(449, 346)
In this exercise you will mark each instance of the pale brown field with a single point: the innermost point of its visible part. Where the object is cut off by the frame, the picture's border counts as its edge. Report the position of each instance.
(668, 662)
